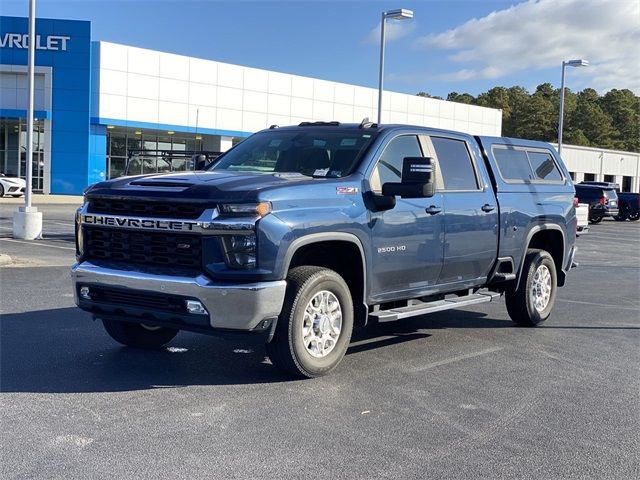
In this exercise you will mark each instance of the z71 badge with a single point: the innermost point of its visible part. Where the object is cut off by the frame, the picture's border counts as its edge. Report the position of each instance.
(346, 190)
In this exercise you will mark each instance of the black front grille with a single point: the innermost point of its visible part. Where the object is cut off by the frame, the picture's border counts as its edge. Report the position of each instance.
(138, 299)
(167, 249)
(146, 209)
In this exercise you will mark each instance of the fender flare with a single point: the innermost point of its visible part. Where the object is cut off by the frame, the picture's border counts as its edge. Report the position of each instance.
(332, 237)
(532, 231)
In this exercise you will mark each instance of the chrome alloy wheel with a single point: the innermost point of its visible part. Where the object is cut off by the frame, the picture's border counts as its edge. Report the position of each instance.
(322, 324)
(541, 288)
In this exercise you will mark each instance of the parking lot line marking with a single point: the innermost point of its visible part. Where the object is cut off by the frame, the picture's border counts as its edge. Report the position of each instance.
(36, 243)
(456, 359)
(63, 223)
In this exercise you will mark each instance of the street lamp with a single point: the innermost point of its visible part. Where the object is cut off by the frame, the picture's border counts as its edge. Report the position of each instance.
(397, 14)
(570, 63)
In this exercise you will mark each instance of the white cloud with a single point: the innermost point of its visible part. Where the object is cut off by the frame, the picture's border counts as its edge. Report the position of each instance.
(542, 33)
(394, 29)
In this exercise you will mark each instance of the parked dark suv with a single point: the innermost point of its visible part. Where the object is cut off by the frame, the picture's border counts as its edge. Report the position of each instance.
(601, 197)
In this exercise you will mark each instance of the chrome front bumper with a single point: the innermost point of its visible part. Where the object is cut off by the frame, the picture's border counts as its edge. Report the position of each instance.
(230, 306)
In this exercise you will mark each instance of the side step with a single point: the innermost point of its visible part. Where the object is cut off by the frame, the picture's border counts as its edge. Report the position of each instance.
(503, 277)
(394, 314)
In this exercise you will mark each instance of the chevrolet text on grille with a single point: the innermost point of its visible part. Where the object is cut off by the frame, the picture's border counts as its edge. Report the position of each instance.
(142, 223)
(158, 224)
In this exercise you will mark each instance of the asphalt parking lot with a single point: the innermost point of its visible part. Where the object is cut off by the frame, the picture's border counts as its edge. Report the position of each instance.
(454, 395)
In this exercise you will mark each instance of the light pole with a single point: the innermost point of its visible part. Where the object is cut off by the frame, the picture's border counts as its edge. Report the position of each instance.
(398, 14)
(570, 63)
(27, 221)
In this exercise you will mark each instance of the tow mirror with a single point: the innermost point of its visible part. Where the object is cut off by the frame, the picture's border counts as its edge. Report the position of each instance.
(418, 179)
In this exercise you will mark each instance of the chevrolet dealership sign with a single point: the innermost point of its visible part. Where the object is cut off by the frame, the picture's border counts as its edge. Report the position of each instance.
(19, 40)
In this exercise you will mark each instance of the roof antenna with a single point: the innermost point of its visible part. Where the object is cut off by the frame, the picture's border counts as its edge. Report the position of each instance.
(365, 123)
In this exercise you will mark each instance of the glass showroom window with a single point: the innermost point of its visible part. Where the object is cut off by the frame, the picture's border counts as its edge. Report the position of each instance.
(13, 150)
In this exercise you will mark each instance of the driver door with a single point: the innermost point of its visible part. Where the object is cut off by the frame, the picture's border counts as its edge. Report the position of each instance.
(408, 242)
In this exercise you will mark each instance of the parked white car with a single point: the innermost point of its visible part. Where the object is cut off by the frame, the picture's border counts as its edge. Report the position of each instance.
(13, 186)
(582, 214)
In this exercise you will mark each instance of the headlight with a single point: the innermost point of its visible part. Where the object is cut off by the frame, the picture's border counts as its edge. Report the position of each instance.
(261, 209)
(79, 239)
(240, 250)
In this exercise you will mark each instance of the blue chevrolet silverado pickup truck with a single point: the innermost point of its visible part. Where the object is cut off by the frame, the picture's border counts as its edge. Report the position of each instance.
(302, 233)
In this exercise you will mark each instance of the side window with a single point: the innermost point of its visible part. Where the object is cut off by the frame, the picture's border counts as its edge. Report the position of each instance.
(389, 166)
(543, 166)
(513, 164)
(455, 164)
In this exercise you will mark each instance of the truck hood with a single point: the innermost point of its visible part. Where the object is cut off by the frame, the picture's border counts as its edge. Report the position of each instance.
(197, 186)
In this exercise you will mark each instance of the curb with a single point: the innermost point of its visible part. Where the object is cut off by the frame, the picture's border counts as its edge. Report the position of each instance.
(5, 259)
(40, 199)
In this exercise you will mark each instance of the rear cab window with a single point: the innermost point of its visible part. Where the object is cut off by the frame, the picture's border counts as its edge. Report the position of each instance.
(526, 165)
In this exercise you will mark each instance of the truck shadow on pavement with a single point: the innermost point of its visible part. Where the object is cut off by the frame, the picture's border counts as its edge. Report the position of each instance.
(64, 351)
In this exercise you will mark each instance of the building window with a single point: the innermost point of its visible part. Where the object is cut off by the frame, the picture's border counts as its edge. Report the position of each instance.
(626, 184)
(610, 178)
(589, 177)
(121, 144)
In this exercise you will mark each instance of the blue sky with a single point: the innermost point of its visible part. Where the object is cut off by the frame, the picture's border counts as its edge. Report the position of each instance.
(463, 46)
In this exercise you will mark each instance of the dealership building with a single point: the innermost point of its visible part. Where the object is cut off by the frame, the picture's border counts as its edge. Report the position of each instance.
(97, 102)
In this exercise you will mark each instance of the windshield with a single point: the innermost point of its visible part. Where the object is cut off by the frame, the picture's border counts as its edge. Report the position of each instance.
(317, 152)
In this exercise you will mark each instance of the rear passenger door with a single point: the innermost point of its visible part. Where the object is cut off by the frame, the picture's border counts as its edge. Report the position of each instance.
(471, 211)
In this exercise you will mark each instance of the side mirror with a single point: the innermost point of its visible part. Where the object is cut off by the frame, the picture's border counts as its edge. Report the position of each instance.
(418, 179)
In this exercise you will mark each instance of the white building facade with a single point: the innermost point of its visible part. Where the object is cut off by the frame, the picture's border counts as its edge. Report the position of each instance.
(138, 93)
(601, 165)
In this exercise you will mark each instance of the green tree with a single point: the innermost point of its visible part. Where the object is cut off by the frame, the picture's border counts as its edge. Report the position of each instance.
(596, 125)
(624, 109)
(608, 121)
(426, 95)
(461, 98)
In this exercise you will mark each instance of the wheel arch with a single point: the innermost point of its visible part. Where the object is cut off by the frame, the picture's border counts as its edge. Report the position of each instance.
(549, 237)
(349, 262)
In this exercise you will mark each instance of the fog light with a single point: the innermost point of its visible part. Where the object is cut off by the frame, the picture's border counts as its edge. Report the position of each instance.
(85, 293)
(195, 307)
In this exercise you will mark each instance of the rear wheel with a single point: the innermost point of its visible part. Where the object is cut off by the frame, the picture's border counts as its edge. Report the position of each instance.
(315, 325)
(595, 219)
(138, 335)
(531, 303)
(634, 215)
(1, 191)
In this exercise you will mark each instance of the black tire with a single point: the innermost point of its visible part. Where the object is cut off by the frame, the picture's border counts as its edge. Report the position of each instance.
(595, 219)
(520, 302)
(620, 218)
(1, 191)
(634, 216)
(137, 335)
(287, 350)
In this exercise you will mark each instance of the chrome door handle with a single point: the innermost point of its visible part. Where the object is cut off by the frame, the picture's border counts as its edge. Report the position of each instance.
(487, 208)
(432, 210)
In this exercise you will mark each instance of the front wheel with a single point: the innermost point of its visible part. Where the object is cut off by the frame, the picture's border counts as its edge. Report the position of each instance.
(315, 325)
(531, 303)
(634, 216)
(595, 219)
(138, 335)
